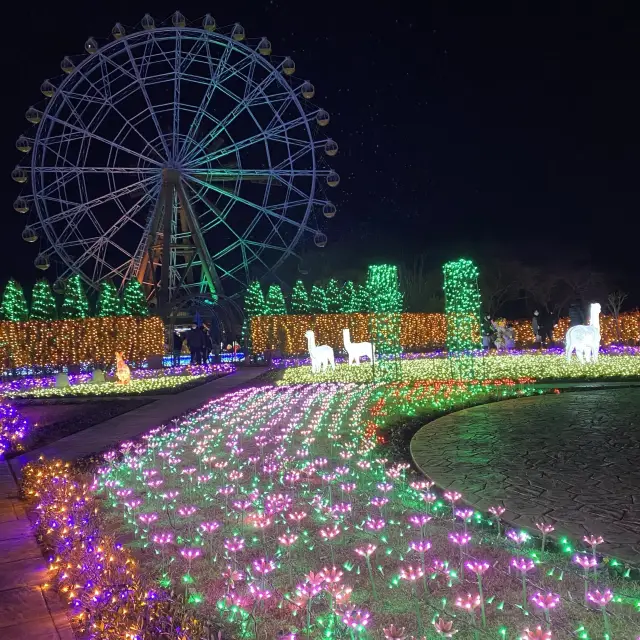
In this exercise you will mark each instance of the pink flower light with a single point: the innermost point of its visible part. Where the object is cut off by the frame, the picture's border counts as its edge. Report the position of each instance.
(411, 573)
(593, 541)
(420, 546)
(536, 634)
(287, 539)
(444, 628)
(601, 598)
(331, 576)
(367, 551)
(545, 528)
(523, 565)
(234, 544)
(545, 601)
(264, 566)
(394, 633)
(460, 539)
(374, 524)
(586, 562)
(329, 533)
(496, 511)
(356, 618)
(452, 496)
(464, 514)
(479, 568)
(469, 602)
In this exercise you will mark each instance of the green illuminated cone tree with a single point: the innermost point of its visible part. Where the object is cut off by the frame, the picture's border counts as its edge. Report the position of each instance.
(14, 304)
(108, 301)
(254, 305)
(347, 298)
(332, 292)
(133, 299)
(318, 300)
(43, 302)
(275, 301)
(75, 304)
(361, 300)
(299, 299)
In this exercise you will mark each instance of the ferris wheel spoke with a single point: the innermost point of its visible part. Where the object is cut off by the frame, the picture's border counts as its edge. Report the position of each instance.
(110, 170)
(100, 200)
(241, 107)
(263, 136)
(222, 220)
(147, 100)
(109, 143)
(176, 95)
(106, 237)
(206, 99)
(244, 201)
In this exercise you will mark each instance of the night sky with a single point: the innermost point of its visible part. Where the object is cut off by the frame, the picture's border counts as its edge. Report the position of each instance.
(457, 127)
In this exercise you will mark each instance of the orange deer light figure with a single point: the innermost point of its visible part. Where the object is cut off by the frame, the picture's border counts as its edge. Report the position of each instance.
(123, 373)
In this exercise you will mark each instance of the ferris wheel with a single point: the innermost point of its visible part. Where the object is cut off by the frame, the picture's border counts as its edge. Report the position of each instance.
(180, 154)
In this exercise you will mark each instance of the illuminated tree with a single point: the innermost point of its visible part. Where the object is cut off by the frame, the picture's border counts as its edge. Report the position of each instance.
(299, 299)
(254, 303)
(14, 304)
(360, 300)
(385, 303)
(332, 293)
(43, 302)
(108, 301)
(347, 298)
(318, 300)
(275, 301)
(75, 303)
(134, 300)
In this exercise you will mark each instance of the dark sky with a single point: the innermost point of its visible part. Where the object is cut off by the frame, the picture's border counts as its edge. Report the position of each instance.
(455, 126)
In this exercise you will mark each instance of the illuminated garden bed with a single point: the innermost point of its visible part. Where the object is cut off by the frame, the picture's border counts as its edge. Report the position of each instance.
(271, 510)
(545, 366)
(143, 382)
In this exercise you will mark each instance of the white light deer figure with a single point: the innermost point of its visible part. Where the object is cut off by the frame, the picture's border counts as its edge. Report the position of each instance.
(585, 339)
(355, 350)
(321, 356)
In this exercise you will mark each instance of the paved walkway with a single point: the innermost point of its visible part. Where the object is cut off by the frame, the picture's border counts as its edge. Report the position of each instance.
(105, 435)
(27, 612)
(571, 459)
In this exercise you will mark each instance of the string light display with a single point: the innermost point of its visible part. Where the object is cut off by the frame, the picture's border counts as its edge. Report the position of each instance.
(157, 381)
(461, 305)
(109, 597)
(66, 342)
(318, 300)
(299, 298)
(385, 302)
(275, 301)
(274, 512)
(133, 299)
(75, 304)
(43, 302)
(418, 331)
(541, 366)
(14, 304)
(13, 428)
(108, 301)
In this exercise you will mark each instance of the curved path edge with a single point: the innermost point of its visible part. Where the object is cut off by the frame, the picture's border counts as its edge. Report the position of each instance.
(444, 451)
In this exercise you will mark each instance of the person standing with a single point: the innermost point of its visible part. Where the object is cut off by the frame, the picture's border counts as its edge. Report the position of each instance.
(535, 325)
(488, 332)
(545, 328)
(207, 344)
(195, 342)
(177, 348)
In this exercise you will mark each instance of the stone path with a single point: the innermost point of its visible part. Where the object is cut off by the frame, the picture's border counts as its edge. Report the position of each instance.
(129, 425)
(572, 459)
(27, 612)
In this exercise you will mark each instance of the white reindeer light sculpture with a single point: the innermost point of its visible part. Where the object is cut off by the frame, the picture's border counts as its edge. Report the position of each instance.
(321, 356)
(355, 350)
(585, 339)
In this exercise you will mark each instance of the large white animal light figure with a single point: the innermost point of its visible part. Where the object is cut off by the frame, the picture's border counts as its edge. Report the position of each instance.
(321, 356)
(355, 350)
(585, 339)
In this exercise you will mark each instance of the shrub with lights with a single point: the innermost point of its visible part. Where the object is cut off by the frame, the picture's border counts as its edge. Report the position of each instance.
(43, 302)
(14, 304)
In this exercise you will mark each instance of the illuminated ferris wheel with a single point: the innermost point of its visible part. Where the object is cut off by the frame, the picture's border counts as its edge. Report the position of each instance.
(183, 155)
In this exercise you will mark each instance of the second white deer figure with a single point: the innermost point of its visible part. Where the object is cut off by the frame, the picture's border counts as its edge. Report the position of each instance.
(321, 355)
(355, 350)
(585, 339)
